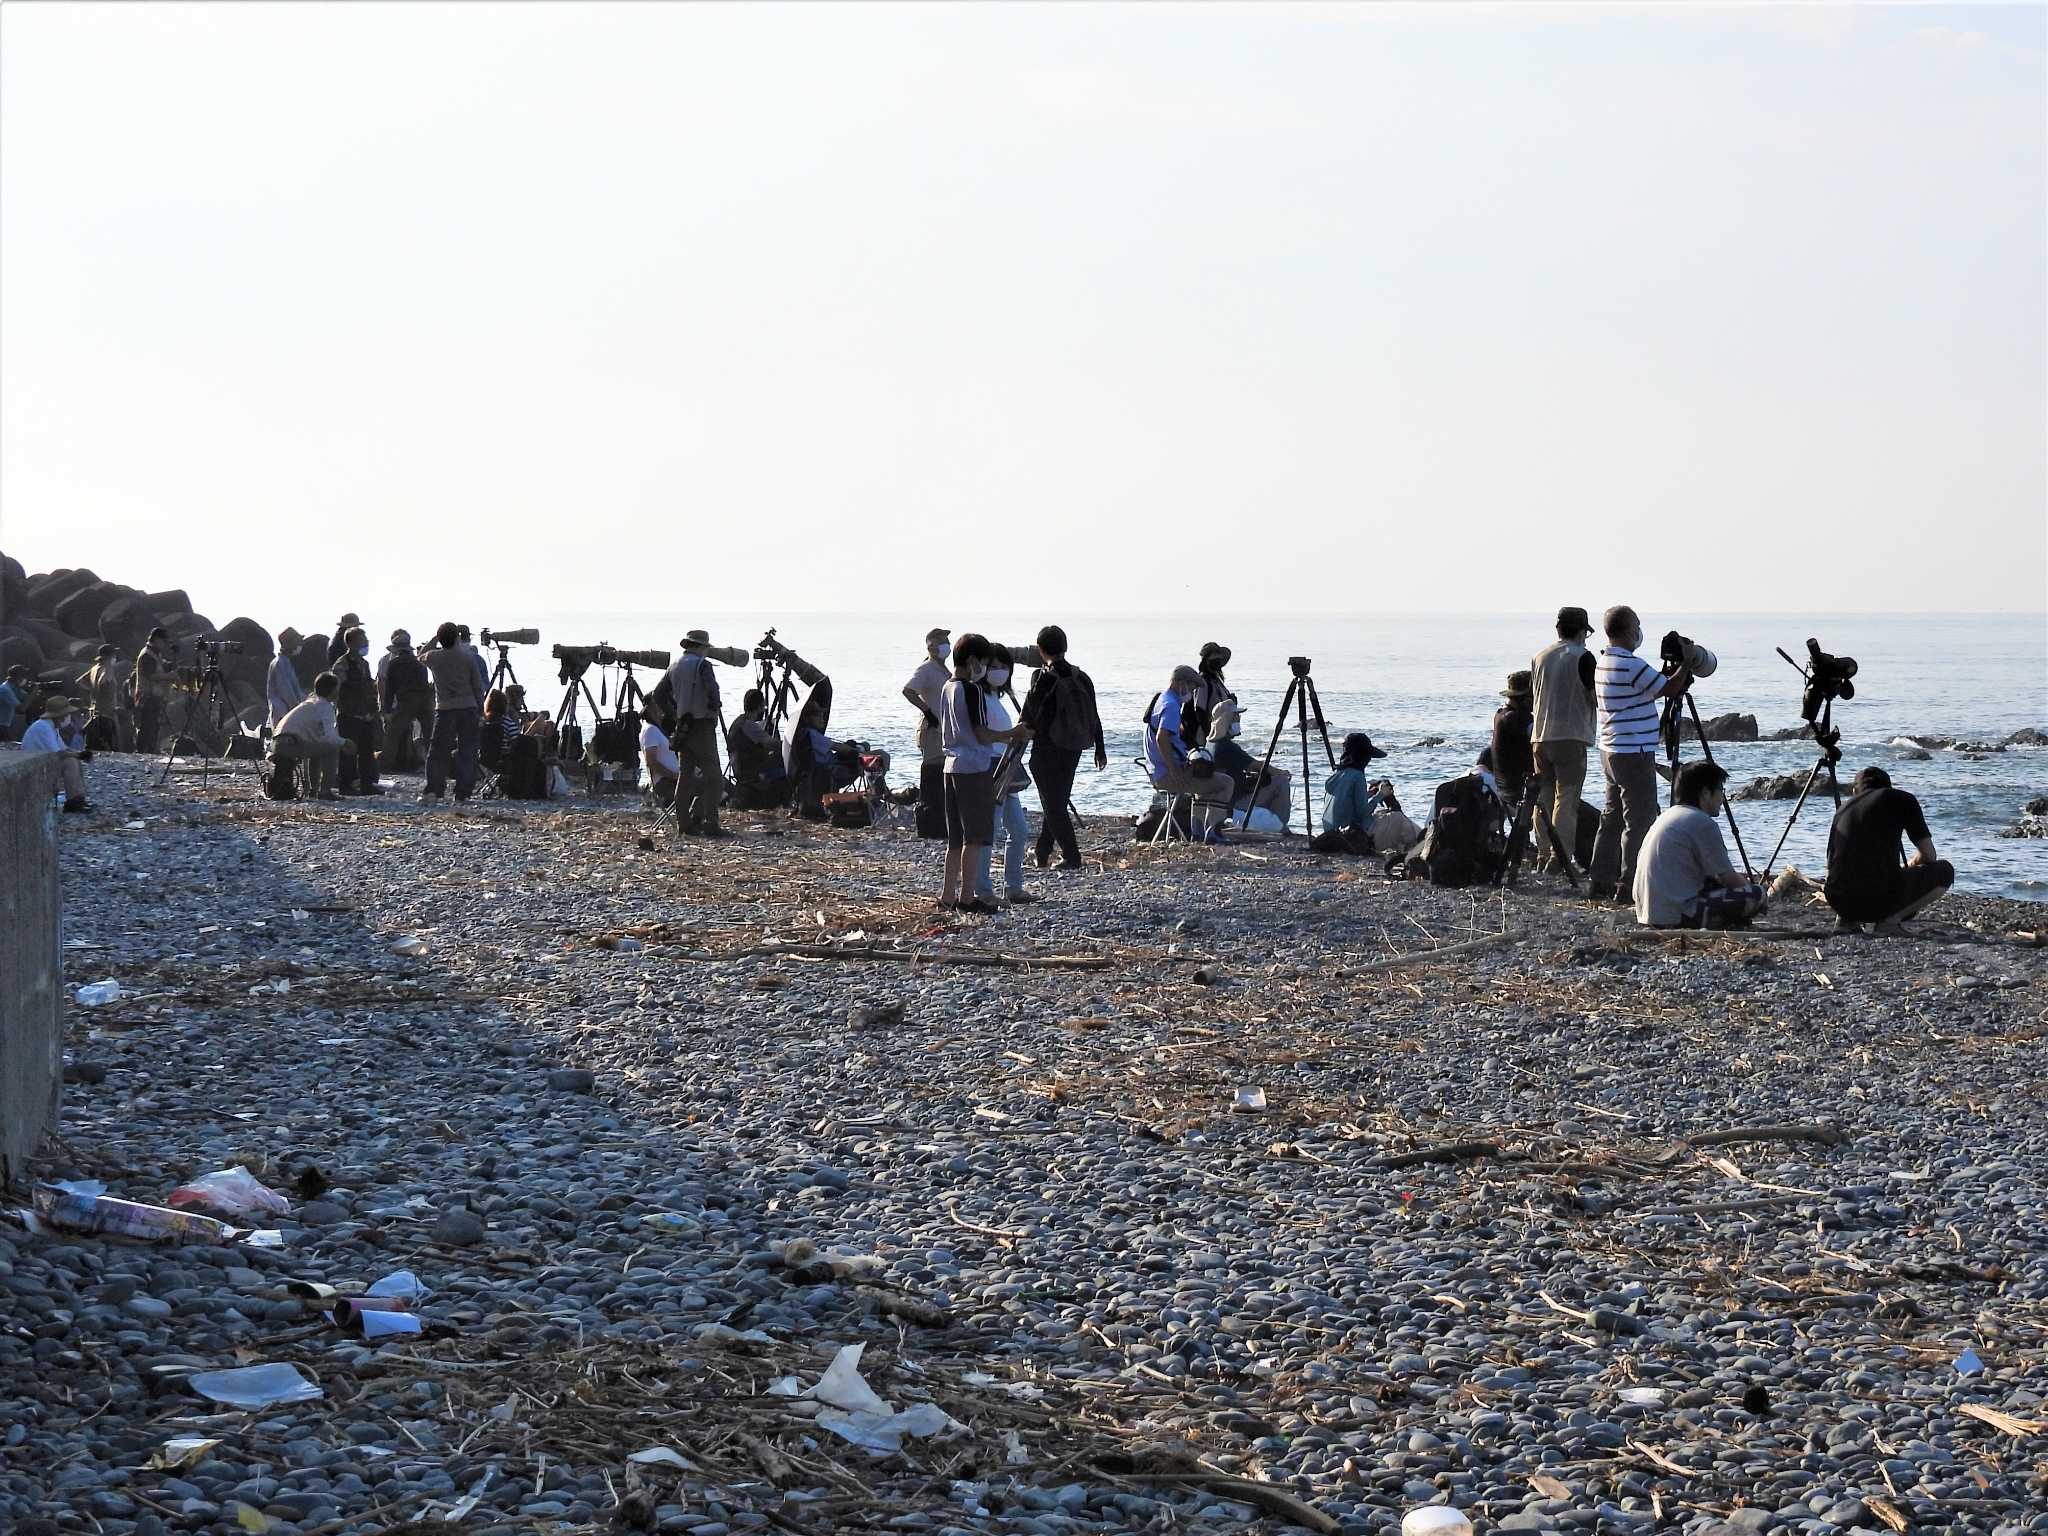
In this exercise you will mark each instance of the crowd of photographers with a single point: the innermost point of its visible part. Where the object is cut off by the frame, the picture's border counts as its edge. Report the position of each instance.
(981, 744)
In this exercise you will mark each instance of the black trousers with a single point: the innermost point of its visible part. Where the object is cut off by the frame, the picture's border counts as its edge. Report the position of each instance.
(1873, 904)
(931, 801)
(1053, 769)
(358, 774)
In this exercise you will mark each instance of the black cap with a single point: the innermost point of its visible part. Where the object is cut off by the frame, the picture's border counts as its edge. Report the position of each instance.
(1359, 750)
(1573, 621)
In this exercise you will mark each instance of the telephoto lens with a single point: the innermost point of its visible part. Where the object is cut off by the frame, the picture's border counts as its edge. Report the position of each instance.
(509, 636)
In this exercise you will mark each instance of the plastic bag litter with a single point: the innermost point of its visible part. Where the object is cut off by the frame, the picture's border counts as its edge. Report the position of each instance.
(661, 1455)
(382, 1325)
(90, 1188)
(1643, 1397)
(236, 1191)
(1262, 820)
(400, 1282)
(1250, 1100)
(409, 945)
(256, 1386)
(843, 1387)
(99, 993)
(180, 1452)
(885, 1432)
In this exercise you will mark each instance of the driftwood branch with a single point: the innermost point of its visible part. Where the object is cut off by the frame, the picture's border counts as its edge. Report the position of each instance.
(1440, 1152)
(1826, 1135)
(1469, 946)
(1264, 1496)
(940, 956)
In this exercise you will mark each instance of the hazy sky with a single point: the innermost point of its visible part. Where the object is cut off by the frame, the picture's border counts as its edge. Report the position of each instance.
(844, 307)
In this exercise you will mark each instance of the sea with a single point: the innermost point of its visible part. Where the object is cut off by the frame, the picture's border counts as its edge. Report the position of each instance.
(1425, 687)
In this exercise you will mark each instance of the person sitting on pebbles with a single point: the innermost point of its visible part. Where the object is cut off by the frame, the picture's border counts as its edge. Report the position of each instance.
(311, 731)
(1866, 881)
(1683, 876)
(49, 735)
(1350, 803)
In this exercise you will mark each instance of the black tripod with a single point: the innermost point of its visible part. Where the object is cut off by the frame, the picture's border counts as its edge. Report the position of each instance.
(1671, 729)
(1301, 693)
(1830, 742)
(213, 693)
(568, 732)
(503, 673)
(1533, 793)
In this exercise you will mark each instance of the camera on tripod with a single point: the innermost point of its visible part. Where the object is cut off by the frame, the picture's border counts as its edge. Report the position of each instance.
(579, 659)
(491, 636)
(1827, 679)
(1676, 650)
(768, 648)
(215, 648)
(1298, 665)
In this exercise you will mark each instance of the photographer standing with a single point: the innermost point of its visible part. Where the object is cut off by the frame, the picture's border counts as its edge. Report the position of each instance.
(152, 689)
(923, 690)
(458, 712)
(355, 703)
(1628, 689)
(693, 684)
(1866, 881)
(405, 691)
(1563, 727)
(1060, 709)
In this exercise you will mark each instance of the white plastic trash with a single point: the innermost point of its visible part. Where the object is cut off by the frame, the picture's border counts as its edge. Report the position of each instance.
(1435, 1520)
(409, 945)
(98, 993)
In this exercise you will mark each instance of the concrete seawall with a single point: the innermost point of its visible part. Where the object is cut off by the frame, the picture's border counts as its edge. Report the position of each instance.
(31, 958)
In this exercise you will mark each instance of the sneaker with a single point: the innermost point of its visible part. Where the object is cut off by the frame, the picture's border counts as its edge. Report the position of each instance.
(1069, 867)
(79, 807)
(1023, 898)
(983, 908)
(1599, 892)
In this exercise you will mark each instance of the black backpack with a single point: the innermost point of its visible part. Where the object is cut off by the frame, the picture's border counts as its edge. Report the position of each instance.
(1072, 727)
(1465, 842)
(407, 678)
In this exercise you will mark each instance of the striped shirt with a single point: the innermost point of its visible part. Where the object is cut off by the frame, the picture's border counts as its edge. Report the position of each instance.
(1626, 686)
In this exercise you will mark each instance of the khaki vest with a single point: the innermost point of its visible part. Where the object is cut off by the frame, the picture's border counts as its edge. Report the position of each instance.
(1564, 705)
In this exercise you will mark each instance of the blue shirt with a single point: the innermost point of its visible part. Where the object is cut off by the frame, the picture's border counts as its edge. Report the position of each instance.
(1347, 802)
(10, 701)
(1165, 718)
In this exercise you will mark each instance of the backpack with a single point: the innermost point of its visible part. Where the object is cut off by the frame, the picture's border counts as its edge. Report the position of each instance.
(1464, 843)
(407, 678)
(1072, 726)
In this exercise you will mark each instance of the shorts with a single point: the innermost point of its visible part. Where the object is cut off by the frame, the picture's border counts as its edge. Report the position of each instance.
(970, 809)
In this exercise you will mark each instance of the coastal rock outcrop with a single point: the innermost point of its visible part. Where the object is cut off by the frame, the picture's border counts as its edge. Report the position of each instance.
(1730, 727)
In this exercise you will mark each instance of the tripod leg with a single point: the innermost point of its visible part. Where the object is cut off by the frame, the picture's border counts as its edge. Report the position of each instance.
(1727, 806)
(1279, 725)
(1308, 823)
(1800, 805)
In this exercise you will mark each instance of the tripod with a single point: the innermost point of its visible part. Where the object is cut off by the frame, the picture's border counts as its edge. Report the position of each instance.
(1533, 793)
(212, 692)
(503, 673)
(1669, 728)
(568, 732)
(1830, 742)
(1301, 693)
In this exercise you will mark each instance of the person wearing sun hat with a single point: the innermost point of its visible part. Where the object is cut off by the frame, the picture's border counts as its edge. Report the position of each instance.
(1349, 802)
(692, 683)
(47, 735)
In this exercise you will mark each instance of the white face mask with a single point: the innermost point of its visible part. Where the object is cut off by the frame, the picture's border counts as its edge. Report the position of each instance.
(942, 650)
(1000, 676)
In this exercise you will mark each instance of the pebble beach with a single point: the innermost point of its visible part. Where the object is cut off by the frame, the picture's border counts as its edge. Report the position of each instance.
(1226, 1189)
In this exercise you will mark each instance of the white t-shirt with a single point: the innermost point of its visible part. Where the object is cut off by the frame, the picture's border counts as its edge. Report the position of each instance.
(43, 736)
(312, 720)
(654, 739)
(963, 708)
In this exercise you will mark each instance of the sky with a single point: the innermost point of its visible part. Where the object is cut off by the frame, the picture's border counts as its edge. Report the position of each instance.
(1124, 308)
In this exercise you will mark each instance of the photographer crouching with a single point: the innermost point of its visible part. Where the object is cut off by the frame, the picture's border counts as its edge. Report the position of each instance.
(1866, 881)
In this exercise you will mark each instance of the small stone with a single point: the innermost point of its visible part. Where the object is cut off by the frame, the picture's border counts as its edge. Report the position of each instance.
(459, 1228)
(572, 1079)
(321, 1213)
